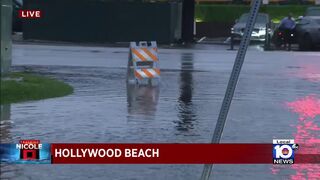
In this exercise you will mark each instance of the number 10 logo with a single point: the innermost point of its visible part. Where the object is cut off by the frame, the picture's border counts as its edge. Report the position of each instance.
(283, 151)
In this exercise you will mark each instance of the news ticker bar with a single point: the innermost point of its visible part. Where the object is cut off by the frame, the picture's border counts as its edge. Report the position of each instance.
(151, 154)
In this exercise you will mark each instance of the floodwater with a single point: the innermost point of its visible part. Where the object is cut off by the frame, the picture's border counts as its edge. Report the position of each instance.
(278, 96)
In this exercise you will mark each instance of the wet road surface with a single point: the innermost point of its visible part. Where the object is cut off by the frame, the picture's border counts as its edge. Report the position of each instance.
(278, 96)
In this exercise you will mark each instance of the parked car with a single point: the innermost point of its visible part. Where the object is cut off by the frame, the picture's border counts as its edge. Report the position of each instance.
(259, 31)
(308, 32)
(313, 11)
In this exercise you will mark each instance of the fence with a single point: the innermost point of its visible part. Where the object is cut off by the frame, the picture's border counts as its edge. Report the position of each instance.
(104, 21)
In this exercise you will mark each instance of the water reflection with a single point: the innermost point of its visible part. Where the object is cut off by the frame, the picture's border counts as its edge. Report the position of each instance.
(186, 109)
(5, 122)
(142, 100)
(308, 133)
(310, 72)
(7, 171)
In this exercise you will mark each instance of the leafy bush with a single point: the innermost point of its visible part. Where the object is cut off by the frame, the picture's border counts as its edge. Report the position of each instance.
(229, 13)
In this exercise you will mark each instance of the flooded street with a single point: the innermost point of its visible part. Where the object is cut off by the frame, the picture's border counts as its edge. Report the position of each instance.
(278, 96)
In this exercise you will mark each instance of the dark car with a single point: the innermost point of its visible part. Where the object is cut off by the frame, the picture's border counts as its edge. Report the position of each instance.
(259, 31)
(16, 21)
(313, 11)
(308, 32)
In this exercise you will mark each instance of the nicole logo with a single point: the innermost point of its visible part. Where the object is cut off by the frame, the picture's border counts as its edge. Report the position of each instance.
(29, 149)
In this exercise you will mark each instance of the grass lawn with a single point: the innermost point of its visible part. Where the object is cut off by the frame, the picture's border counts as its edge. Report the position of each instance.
(18, 87)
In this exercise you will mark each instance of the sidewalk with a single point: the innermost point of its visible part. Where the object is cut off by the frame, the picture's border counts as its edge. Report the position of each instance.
(17, 38)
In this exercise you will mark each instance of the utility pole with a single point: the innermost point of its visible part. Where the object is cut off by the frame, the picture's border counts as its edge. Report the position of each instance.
(217, 134)
(5, 35)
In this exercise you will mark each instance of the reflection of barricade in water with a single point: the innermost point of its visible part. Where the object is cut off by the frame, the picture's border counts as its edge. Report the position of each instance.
(142, 99)
(143, 63)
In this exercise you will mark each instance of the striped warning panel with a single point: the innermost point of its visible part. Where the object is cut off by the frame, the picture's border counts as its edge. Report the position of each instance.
(147, 73)
(144, 54)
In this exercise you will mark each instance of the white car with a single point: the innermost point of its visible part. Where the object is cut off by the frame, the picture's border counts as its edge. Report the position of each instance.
(259, 30)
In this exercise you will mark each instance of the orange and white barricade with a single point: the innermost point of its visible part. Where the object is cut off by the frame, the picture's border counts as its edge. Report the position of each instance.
(143, 64)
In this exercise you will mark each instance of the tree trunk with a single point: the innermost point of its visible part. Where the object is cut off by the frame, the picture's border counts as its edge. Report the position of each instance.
(188, 20)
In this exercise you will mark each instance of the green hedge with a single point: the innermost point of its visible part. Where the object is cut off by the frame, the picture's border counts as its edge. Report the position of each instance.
(228, 13)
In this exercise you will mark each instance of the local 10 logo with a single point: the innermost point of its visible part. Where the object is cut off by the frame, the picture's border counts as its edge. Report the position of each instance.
(283, 151)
